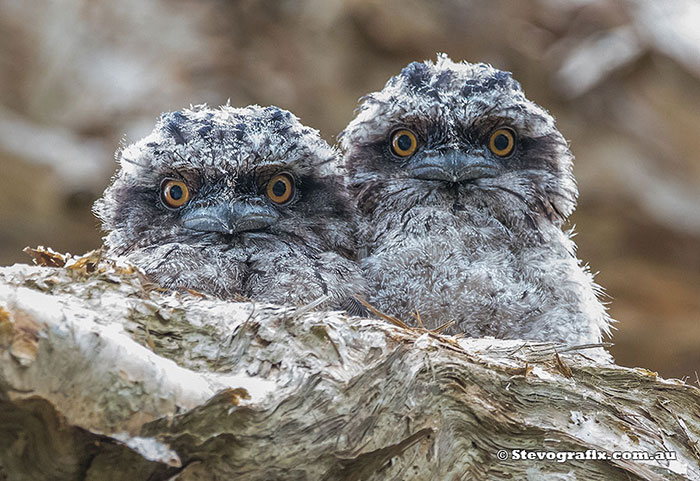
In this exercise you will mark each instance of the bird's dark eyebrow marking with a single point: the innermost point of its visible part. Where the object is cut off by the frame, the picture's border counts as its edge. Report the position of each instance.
(239, 130)
(416, 74)
(204, 130)
(285, 131)
(172, 124)
(480, 85)
(175, 132)
(279, 114)
(444, 79)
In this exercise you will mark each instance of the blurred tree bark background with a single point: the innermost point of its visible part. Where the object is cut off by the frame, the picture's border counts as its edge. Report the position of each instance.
(621, 76)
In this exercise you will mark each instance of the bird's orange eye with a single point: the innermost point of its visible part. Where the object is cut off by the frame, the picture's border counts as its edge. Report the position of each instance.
(280, 189)
(174, 193)
(404, 142)
(502, 141)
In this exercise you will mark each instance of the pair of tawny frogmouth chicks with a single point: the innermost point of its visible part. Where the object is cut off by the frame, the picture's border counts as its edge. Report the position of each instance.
(448, 200)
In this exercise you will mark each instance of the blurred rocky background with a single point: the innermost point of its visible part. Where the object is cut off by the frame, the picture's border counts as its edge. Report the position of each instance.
(77, 77)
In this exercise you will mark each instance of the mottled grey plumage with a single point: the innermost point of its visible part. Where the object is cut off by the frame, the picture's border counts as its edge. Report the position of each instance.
(230, 237)
(456, 232)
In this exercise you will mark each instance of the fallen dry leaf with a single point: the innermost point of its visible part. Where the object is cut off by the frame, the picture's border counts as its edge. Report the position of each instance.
(45, 256)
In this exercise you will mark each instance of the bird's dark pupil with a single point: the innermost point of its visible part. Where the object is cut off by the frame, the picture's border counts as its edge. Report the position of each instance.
(501, 142)
(176, 192)
(404, 142)
(279, 188)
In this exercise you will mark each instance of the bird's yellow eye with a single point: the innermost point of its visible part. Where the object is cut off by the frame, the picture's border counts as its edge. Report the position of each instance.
(174, 193)
(404, 142)
(280, 189)
(502, 141)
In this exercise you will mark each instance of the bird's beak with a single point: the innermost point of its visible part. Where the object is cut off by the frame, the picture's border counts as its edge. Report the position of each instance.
(229, 218)
(452, 166)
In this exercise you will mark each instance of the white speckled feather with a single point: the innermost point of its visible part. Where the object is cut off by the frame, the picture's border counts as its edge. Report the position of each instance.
(486, 251)
(226, 157)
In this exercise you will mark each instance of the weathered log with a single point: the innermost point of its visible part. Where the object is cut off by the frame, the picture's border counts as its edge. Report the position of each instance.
(105, 377)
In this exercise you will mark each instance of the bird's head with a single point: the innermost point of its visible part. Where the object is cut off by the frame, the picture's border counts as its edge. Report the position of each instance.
(223, 176)
(450, 133)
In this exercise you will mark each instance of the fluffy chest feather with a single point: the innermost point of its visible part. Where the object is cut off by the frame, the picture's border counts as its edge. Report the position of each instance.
(469, 268)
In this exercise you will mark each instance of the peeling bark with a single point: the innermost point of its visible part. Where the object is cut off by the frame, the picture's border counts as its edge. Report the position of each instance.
(105, 377)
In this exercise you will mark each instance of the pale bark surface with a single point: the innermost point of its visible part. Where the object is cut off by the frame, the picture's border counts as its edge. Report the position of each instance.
(103, 377)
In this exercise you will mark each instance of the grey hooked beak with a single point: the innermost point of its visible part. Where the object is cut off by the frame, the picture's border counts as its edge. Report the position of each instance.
(452, 166)
(229, 218)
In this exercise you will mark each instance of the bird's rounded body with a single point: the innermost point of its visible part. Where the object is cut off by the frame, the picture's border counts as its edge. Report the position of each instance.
(464, 186)
(468, 268)
(235, 202)
(283, 272)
